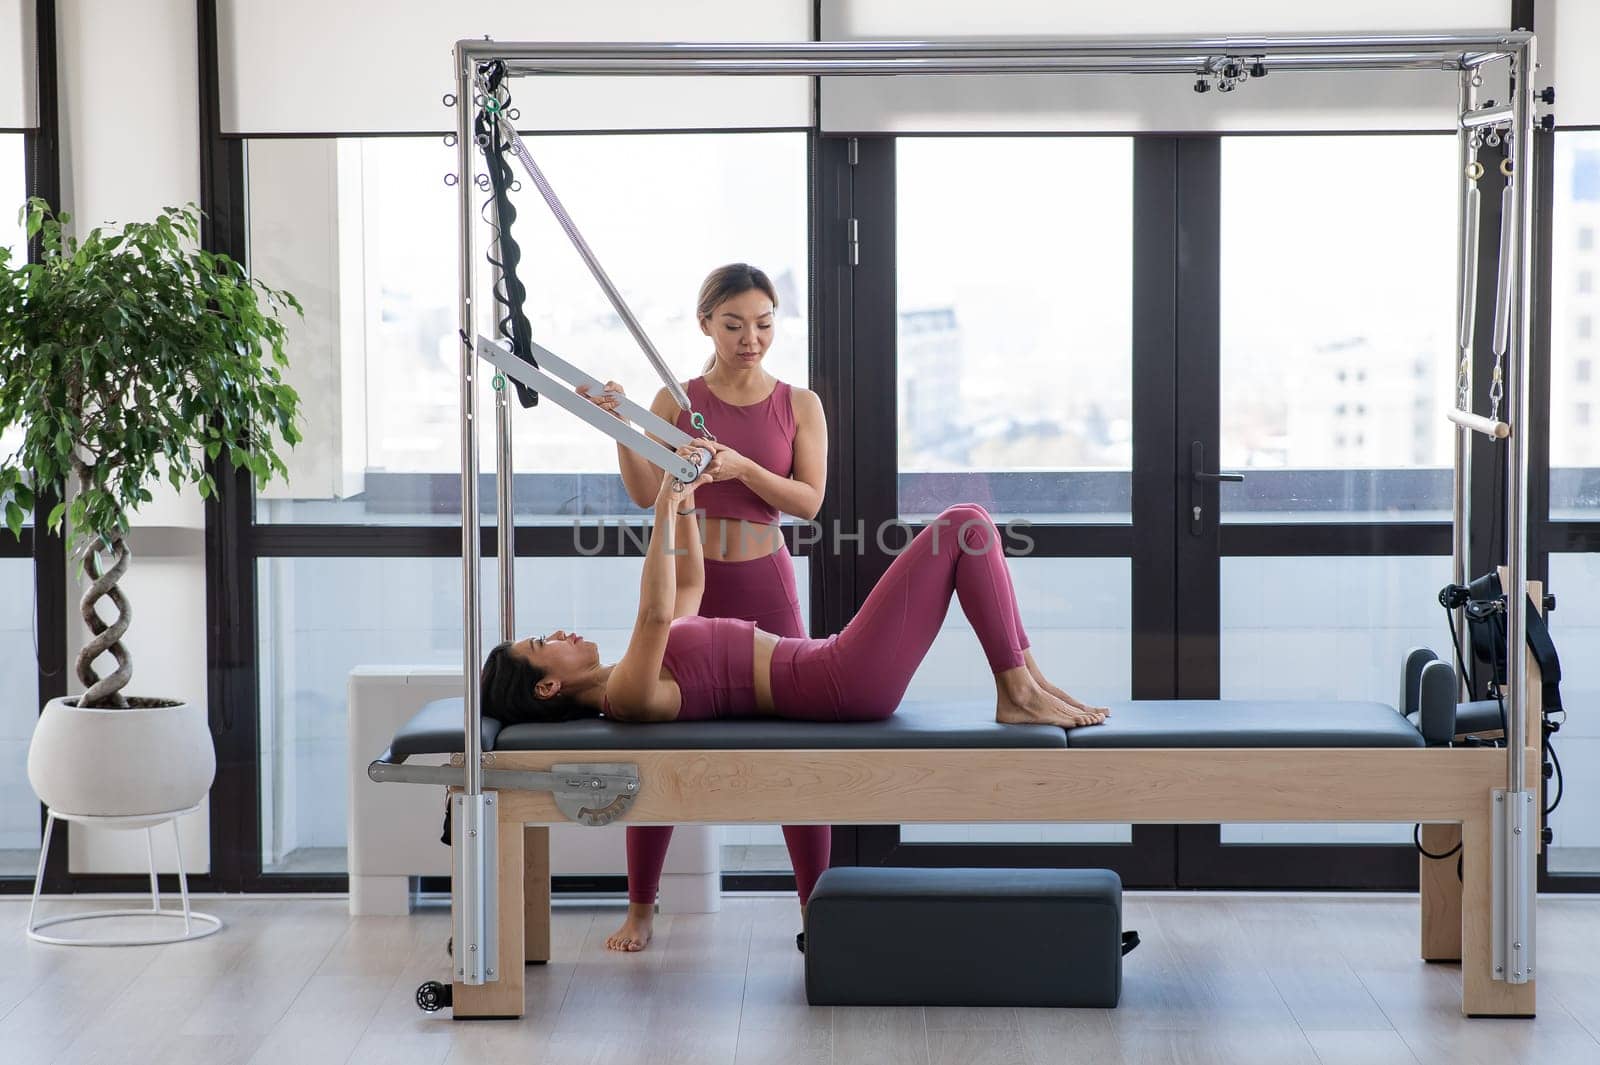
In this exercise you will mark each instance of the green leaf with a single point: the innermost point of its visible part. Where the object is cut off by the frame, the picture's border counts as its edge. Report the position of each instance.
(14, 516)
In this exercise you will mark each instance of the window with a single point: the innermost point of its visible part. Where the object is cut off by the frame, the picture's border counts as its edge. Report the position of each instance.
(1575, 580)
(1574, 447)
(1375, 331)
(1014, 279)
(320, 618)
(1080, 627)
(19, 673)
(1357, 617)
(364, 232)
(13, 238)
(13, 194)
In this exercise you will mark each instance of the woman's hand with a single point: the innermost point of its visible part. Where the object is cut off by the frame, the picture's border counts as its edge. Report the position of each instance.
(676, 494)
(609, 401)
(726, 464)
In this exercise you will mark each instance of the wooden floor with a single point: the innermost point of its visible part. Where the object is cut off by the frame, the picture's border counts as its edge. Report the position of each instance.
(1227, 979)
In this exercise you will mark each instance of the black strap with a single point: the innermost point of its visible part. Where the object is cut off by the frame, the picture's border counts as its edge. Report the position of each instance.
(510, 294)
(1129, 941)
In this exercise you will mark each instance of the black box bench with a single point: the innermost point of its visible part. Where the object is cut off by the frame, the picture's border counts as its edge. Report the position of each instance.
(878, 936)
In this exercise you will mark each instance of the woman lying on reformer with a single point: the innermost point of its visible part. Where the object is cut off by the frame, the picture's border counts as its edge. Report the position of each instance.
(681, 667)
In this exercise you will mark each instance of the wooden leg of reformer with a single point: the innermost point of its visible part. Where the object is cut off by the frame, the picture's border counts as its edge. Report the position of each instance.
(504, 996)
(536, 893)
(1481, 994)
(1441, 894)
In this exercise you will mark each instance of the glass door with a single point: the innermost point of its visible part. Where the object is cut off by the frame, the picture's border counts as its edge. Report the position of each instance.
(1023, 366)
(1322, 384)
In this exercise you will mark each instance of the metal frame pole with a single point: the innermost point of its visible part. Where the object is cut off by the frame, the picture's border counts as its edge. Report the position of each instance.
(1460, 495)
(473, 914)
(1514, 808)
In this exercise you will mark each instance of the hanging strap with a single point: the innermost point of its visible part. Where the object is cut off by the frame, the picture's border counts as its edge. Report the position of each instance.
(508, 139)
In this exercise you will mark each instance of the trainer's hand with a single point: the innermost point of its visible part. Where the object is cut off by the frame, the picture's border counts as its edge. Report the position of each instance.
(608, 403)
(726, 464)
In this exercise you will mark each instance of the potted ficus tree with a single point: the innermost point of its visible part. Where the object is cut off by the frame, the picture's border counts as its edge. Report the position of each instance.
(127, 358)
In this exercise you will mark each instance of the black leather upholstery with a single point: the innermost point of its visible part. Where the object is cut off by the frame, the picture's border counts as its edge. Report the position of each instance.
(1179, 723)
(880, 936)
(437, 729)
(1248, 723)
(914, 725)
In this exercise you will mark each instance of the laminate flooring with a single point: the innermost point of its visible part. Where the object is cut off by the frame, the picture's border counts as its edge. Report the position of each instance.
(1228, 979)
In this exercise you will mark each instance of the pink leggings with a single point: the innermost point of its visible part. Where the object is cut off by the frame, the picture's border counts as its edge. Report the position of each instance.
(862, 673)
(760, 590)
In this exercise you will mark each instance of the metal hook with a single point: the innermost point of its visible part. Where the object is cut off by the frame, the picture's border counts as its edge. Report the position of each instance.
(451, 179)
(449, 99)
(449, 140)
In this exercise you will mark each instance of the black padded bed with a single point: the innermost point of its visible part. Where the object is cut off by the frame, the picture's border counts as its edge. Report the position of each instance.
(436, 729)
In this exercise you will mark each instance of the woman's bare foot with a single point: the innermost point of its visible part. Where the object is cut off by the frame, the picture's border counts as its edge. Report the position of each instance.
(1039, 678)
(635, 933)
(1019, 700)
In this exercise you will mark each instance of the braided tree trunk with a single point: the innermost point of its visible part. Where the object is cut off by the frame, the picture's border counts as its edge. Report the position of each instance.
(105, 562)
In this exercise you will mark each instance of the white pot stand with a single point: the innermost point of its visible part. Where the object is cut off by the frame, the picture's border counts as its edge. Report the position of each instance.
(196, 925)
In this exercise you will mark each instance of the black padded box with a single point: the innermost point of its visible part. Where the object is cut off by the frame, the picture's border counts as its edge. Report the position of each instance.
(880, 936)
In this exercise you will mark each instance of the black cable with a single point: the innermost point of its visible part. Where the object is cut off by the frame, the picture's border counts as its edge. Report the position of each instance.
(1558, 777)
(1416, 837)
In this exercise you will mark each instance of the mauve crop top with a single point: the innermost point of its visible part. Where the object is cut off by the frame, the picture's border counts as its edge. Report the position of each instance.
(761, 432)
(713, 661)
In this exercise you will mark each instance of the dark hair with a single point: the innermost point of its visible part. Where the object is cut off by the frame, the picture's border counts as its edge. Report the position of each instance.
(506, 692)
(726, 282)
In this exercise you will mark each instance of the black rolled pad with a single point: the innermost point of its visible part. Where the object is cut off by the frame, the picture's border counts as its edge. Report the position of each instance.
(913, 726)
(882, 936)
(1248, 723)
(437, 729)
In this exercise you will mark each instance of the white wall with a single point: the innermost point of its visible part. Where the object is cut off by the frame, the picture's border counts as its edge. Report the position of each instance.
(130, 145)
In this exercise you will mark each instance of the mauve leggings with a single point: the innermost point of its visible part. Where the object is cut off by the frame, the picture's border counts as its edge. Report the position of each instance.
(862, 673)
(760, 590)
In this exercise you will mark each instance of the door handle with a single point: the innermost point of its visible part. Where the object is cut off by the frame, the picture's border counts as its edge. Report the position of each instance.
(1197, 462)
(1199, 477)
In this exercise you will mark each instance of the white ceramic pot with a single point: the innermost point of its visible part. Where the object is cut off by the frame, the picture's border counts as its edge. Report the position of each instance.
(121, 763)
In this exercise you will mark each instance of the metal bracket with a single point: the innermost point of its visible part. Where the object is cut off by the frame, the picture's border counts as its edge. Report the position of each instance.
(477, 882)
(587, 792)
(595, 794)
(1512, 932)
(558, 379)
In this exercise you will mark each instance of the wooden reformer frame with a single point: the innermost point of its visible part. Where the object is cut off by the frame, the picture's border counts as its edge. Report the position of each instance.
(1450, 791)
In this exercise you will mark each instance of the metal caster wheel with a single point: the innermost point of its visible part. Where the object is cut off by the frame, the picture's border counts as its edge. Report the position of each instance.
(433, 996)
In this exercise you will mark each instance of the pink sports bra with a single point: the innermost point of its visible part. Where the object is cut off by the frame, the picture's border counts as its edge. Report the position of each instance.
(762, 432)
(713, 661)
